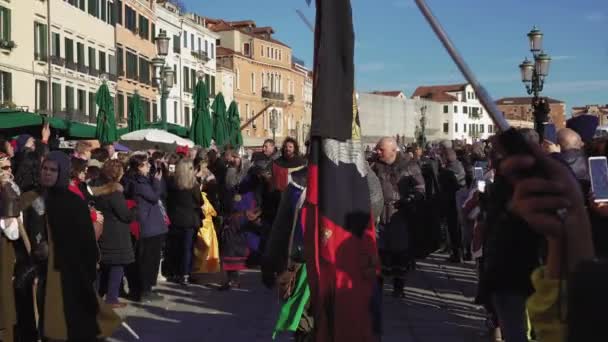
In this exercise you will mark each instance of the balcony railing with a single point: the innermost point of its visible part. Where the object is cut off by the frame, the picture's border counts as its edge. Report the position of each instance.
(202, 55)
(57, 60)
(93, 72)
(83, 68)
(113, 77)
(177, 49)
(267, 94)
(70, 65)
(291, 98)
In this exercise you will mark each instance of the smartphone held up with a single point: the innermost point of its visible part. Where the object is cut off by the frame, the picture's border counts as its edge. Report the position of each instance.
(598, 173)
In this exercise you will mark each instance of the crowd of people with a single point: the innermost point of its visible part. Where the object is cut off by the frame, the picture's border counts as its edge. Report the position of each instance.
(83, 228)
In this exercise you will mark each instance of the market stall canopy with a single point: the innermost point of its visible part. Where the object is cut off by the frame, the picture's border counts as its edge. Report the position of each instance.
(16, 122)
(156, 136)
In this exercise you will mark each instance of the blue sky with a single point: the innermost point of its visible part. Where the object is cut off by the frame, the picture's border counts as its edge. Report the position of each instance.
(396, 49)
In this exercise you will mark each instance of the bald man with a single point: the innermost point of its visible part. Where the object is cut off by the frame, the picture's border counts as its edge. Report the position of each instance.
(572, 153)
(403, 191)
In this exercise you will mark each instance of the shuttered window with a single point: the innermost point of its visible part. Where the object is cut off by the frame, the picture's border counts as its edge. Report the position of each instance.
(56, 93)
(5, 24)
(40, 42)
(92, 58)
(69, 50)
(69, 99)
(102, 62)
(92, 106)
(131, 66)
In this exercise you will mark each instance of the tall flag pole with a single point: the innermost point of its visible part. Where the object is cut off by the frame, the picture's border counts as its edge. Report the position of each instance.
(340, 243)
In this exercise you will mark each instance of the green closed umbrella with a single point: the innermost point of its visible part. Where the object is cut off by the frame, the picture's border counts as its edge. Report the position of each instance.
(220, 121)
(106, 123)
(201, 130)
(136, 114)
(234, 124)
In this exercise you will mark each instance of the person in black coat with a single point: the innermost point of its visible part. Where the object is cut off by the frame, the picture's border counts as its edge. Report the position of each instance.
(184, 203)
(68, 301)
(115, 241)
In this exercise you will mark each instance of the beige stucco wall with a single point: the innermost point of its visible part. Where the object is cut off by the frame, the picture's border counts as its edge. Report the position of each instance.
(66, 20)
(141, 47)
(20, 60)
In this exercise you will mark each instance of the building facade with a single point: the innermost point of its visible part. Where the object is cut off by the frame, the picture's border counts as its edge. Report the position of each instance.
(519, 112)
(266, 80)
(191, 56)
(224, 82)
(61, 53)
(453, 112)
(386, 116)
(135, 49)
(601, 111)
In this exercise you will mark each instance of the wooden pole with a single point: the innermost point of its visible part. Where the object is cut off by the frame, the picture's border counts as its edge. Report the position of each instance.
(250, 121)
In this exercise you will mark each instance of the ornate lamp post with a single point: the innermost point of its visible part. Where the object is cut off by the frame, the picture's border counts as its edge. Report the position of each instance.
(164, 75)
(533, 76)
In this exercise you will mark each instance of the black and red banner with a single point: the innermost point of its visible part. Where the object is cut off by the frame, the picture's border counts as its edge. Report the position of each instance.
(339, 231)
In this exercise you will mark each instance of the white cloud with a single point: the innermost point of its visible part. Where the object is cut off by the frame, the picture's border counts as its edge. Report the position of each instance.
(371, 67)
(596, 17)
(582, 86)
(404, 4)
(562, 58)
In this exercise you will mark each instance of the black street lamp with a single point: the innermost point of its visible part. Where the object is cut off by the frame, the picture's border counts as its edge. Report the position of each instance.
(166, 76)
(533, 75)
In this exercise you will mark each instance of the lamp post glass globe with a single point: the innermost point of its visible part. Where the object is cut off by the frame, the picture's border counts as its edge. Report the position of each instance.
(535, 37)
(162, 44)
(542, 64)
(527, 70)
(168, 77)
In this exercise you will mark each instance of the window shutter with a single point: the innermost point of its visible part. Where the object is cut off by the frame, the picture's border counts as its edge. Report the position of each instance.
(7, 24)
(45, 45)
(36, 40)
(213, 85)
(8, 85)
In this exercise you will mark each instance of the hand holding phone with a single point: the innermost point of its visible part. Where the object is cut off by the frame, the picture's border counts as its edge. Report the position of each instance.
(598, 173)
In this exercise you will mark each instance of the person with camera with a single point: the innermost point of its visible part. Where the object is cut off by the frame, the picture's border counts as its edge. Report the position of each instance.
(146, 189)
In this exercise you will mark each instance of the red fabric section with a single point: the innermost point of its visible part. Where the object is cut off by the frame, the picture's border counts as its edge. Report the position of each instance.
(280, 176)
(73, 187)
(341, 288)
(134, 226)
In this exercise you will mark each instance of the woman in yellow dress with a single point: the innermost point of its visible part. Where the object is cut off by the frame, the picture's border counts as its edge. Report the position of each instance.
(206, 249)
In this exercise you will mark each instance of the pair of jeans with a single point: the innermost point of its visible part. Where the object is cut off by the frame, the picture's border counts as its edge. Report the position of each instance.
(511, 311)
(110, 278)
(188, 250)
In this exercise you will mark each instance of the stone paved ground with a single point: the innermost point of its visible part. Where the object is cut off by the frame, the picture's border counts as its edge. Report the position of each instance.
(437, 307)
